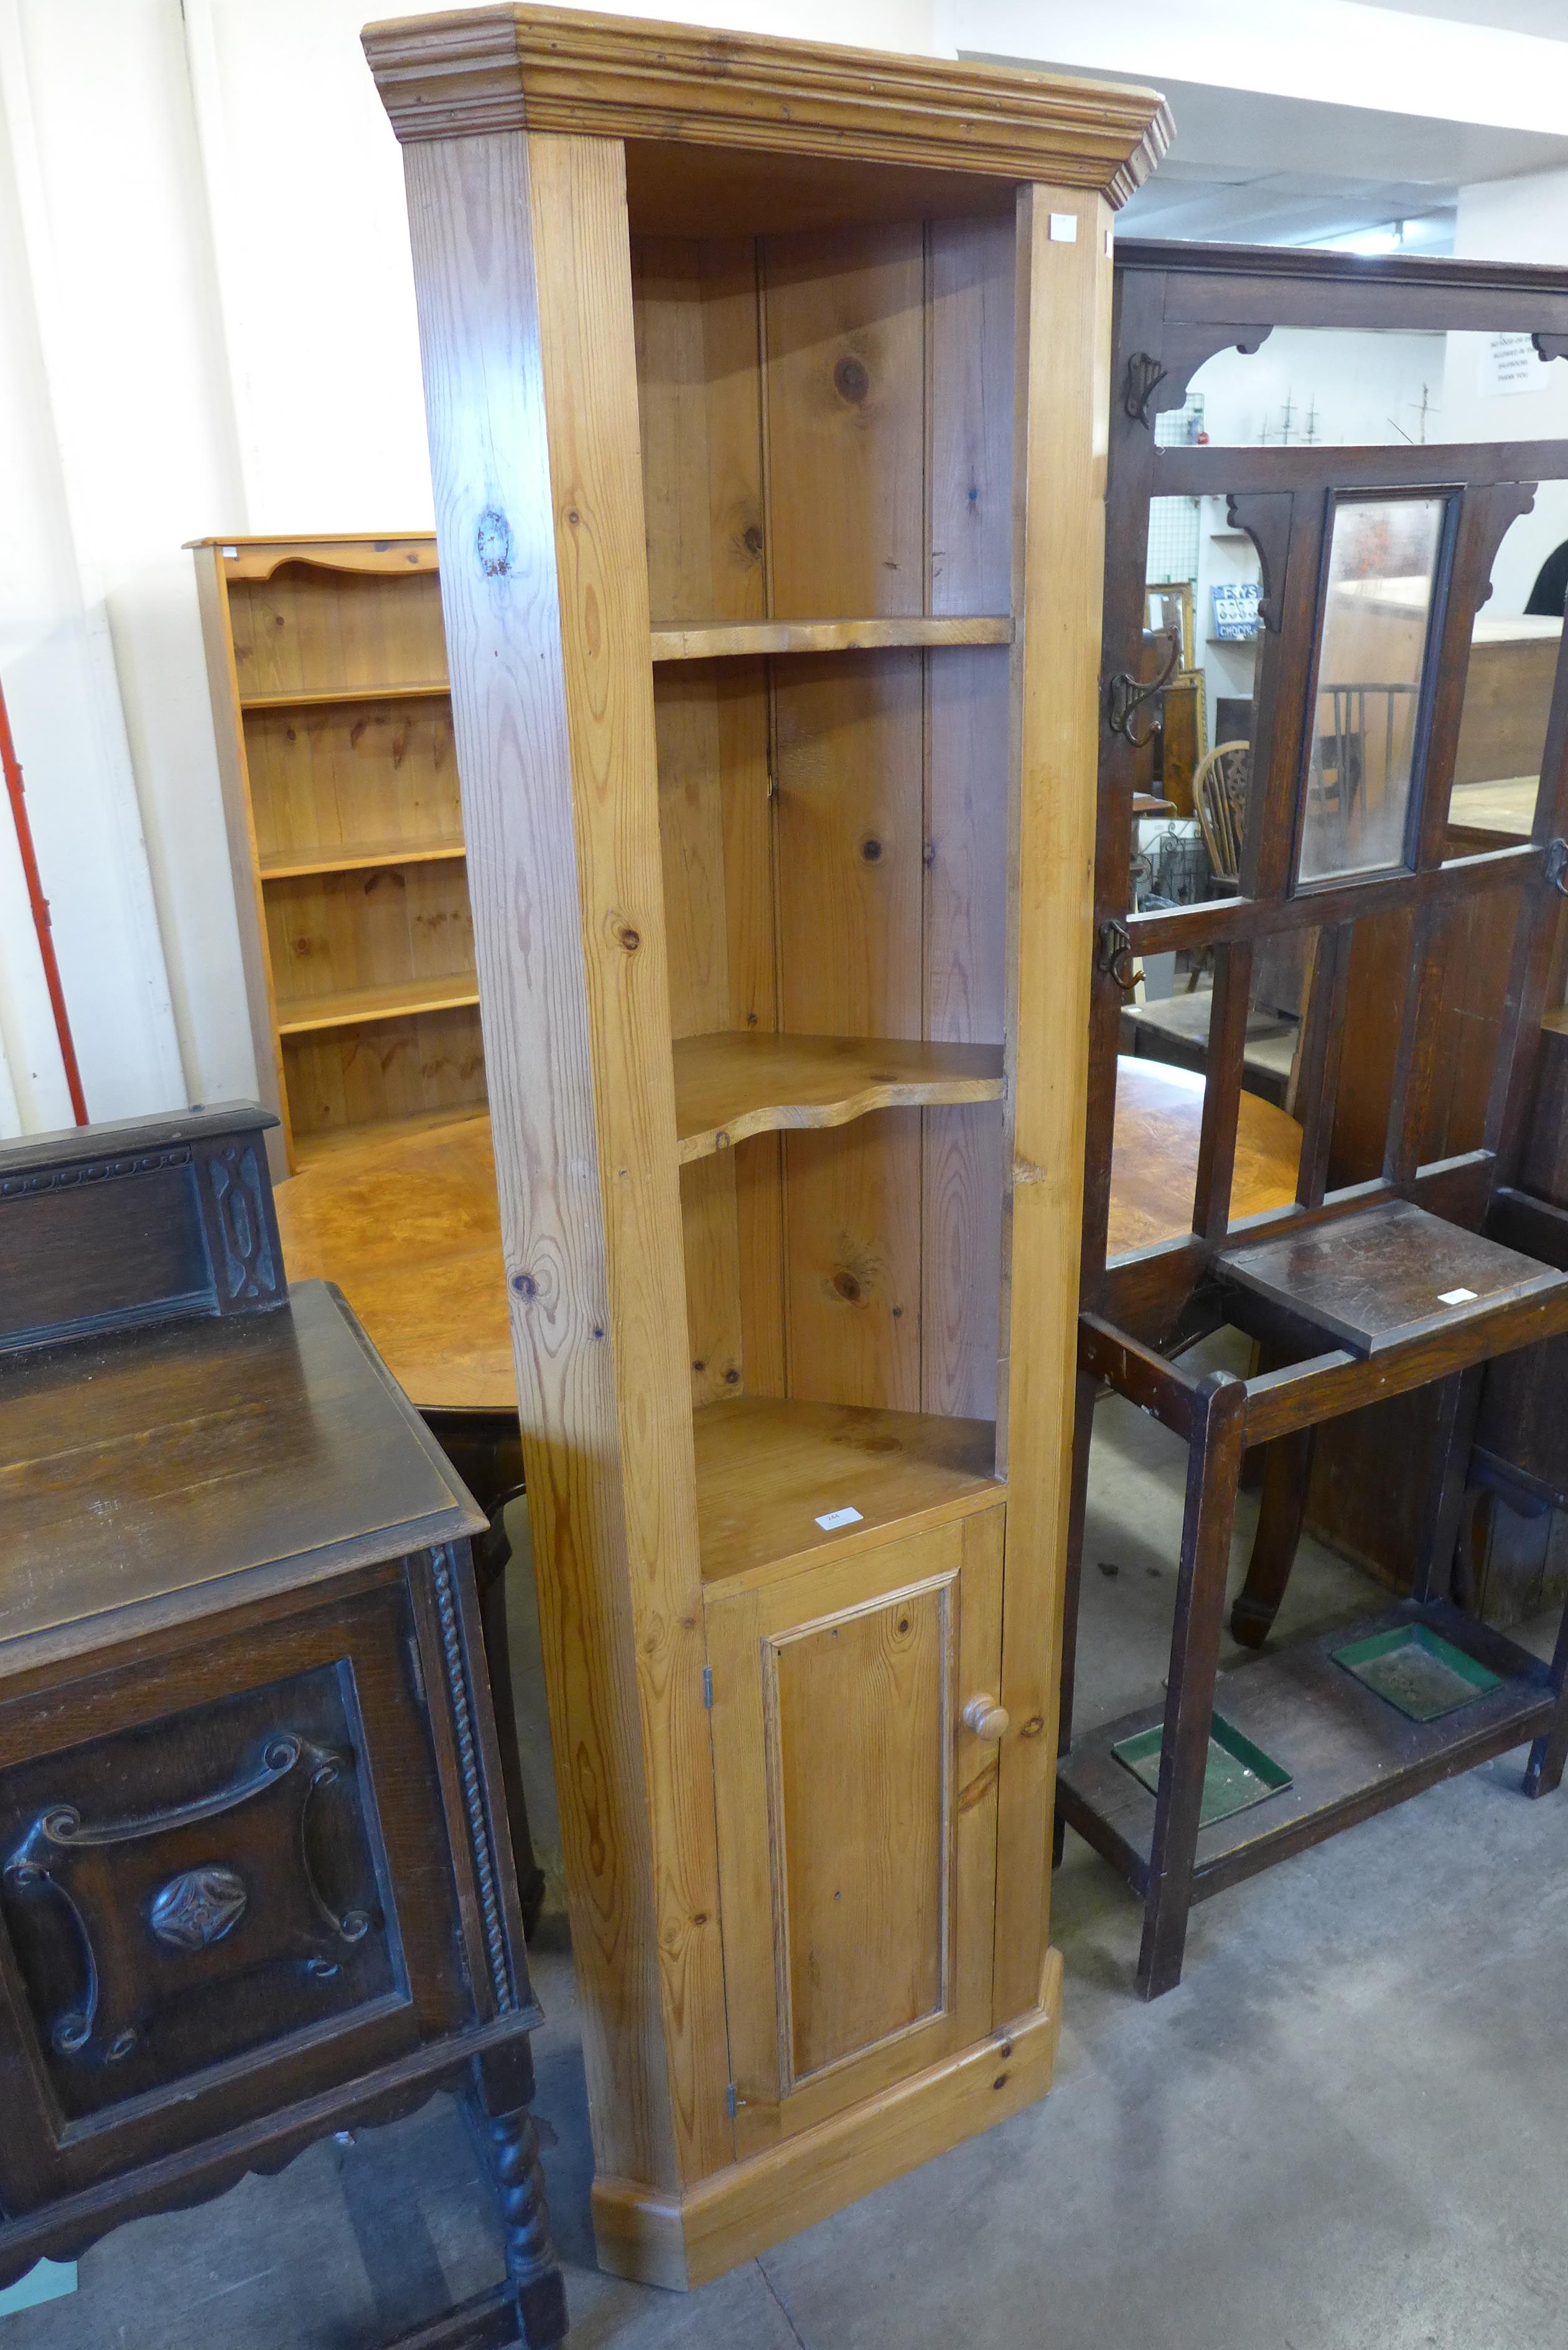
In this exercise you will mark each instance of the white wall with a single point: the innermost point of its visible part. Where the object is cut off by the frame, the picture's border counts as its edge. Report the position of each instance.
(1332, 50)
(209, 328)
(1359, 389)
(1513, 220)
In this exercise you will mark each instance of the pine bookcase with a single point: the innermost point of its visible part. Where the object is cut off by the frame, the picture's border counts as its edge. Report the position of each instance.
(333, 722)
(766, 387)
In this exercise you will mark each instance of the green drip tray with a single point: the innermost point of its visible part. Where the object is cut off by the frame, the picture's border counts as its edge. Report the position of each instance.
(1416, 1672)
(1236, 1775)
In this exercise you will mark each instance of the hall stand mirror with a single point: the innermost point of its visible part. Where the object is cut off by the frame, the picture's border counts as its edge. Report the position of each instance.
(1374, 564)
(766, 390)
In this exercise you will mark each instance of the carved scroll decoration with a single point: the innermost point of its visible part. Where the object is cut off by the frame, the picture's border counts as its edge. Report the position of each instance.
(1265, 516)
(247, 1270)
(71, 1861)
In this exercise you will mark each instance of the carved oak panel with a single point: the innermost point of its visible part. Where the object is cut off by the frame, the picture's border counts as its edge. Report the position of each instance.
(179, 1893)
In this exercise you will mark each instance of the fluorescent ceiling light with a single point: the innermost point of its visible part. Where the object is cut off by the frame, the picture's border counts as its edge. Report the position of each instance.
(1367, 239)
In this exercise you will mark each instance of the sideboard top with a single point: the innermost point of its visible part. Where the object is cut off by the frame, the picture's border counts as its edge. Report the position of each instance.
(559, 70)
(141, 1464)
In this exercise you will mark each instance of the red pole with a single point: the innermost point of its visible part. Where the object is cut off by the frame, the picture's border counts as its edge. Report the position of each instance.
(40, 906)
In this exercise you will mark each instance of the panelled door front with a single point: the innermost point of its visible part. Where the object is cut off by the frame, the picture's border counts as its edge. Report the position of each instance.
(855, 1748)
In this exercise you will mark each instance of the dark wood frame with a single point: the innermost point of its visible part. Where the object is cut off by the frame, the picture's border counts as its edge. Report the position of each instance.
(1178, 305)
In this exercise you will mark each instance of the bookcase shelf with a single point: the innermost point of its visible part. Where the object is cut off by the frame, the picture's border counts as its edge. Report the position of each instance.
(720, 639)
(743, 1082)
(769, 1469)
(323, 696)
(355, 857)
(352, 1007)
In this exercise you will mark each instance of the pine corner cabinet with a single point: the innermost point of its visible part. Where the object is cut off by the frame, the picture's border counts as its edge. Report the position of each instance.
(767, 395)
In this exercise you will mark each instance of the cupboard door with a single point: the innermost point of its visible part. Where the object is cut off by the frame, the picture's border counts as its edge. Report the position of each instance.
(856, 1820)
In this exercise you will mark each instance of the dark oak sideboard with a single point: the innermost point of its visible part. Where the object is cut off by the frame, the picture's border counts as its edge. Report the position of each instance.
(254, 1879)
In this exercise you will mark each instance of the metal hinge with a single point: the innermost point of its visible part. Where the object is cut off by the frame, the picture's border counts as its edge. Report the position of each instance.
(708, 1687)
(730, 2100)
(1556, 865)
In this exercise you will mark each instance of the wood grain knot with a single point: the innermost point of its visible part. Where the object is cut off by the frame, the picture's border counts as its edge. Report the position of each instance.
(629, 938)
(492, 544)
(845, 1286)
(1033, 1726)
(871, 850)
(852, 380)
(752, 539)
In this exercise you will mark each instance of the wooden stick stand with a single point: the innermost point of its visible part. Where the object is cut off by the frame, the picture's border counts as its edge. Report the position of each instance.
(781, 368)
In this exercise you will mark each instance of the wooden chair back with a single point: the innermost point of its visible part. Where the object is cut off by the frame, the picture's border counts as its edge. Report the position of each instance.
(1220, 801)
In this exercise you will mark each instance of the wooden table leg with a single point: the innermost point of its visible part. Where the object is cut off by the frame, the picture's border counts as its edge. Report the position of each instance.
(1543, 1772)
(499, 2115)
(1086, 1395)
(1213, 1477)
(1455, 1408)
(1287, 1470)
(486, 1451)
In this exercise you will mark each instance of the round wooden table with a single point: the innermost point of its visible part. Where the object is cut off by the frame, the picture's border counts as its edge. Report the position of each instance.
(409, 1230)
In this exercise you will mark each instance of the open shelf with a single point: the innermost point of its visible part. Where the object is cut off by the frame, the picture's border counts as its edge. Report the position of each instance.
(350, 1006)
(767, 1470)
(717, 639)
(355, 857)
(372, 1135)
(744, 1081)
(312, 697)
(1349, 1753)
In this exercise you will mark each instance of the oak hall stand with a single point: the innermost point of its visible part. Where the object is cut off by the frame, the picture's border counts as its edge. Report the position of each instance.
(766, 399)
(1375, 565)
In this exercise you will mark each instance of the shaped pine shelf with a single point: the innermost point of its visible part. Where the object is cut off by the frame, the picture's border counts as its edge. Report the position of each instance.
(744, 1081)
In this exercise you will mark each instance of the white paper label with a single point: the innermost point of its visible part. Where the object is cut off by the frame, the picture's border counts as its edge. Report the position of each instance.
(1445, 1297)
(834, 1519)
(1064, 231)
(231, 554)
(1509, 365)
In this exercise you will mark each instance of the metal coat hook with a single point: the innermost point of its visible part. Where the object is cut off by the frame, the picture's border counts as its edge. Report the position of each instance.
(1143, 377)
(1115, 955)
(1125, 697)
(1555, 868)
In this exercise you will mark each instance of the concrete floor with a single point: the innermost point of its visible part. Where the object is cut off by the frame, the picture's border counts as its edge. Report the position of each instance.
(1345, 2131)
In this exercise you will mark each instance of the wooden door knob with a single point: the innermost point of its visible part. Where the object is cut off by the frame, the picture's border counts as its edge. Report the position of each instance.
(986, 1718)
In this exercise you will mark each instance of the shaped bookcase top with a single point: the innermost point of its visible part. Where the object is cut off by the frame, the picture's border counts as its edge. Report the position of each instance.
(625, 78)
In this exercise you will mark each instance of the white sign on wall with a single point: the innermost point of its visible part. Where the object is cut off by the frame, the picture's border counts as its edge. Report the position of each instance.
(1508, 364)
